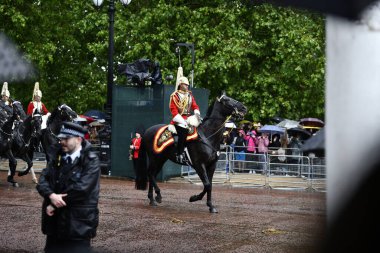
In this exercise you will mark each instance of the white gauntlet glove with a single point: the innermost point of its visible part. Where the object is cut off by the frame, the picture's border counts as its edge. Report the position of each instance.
(180, 121)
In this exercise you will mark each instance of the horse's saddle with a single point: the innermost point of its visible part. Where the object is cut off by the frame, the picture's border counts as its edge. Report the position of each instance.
(164, 138)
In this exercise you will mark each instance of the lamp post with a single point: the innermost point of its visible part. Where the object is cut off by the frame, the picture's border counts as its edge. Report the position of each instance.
(108, 105)
(111, 43)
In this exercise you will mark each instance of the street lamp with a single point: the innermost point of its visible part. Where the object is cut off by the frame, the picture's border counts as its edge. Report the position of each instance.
(111, 42)
(108, 106)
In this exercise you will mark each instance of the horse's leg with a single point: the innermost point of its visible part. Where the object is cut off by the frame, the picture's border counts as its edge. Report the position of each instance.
(152, 201)
(157, 189)
(30, 165)
(207, 186)
(29, 161)
(34, 178)
(210, 174)
(154, 169)
(203, 176)
(12, 169)
(151, 176)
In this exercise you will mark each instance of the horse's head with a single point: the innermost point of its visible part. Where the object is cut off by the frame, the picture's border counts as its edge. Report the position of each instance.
(36, 123)
(18, 110)
(66, 113)
(232, 107)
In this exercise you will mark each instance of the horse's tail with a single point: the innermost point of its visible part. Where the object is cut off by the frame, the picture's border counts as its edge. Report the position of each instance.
(141, 181)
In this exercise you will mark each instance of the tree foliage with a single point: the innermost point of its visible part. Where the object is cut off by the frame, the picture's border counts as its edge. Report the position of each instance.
(270, 58)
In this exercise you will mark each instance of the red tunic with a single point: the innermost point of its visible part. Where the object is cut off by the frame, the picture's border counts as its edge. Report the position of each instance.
(31, 108)
(136, 142)
(177, 99)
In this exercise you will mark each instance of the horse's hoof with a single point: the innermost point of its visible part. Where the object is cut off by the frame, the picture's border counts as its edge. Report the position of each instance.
(22, 173)
(213, 210)
(158, 199)
(193, 198)
(35, 180)
(153, 203)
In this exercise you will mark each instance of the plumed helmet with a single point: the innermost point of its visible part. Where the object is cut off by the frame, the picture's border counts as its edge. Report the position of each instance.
(179, 75)
(5, 91)
(183, 80)
(36, 90)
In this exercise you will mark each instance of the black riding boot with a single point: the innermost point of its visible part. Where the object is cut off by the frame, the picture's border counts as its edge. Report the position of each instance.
(182, 134)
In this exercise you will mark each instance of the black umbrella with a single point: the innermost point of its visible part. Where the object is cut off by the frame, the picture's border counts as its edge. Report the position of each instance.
(95, 114)
(303, 133)
(312, 122)
(316, 143)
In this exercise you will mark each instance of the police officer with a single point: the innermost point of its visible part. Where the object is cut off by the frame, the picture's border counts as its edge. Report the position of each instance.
(182, 104)
(70, 188)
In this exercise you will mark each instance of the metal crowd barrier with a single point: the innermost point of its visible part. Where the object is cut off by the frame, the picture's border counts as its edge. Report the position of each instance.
(292, 172)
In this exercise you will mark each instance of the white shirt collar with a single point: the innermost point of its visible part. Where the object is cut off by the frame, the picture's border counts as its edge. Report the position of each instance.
(75, 154)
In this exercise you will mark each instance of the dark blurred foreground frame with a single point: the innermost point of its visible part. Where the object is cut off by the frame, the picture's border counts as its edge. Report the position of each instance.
(356, 228)
(350, 9)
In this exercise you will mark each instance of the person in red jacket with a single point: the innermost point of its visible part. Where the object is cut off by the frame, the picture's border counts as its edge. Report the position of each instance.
(36, 103)
(182, 104)
(134, 149)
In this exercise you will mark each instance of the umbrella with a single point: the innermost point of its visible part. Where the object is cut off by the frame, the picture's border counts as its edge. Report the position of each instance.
(271, 129)
(312, 122)
(230, 125)
(316, 143)
(95, 114)
(277, 119)
(88, 119)
(288, 123)
(303, 133)
(96, 124)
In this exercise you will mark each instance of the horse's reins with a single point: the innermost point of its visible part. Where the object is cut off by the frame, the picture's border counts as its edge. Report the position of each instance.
(219, 128)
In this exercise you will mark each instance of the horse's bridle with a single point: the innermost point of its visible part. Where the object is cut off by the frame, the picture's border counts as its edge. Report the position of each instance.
(234, 108)
(60, 108)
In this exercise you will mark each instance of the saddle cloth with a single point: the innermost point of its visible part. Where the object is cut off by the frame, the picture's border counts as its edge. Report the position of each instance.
(164, 138)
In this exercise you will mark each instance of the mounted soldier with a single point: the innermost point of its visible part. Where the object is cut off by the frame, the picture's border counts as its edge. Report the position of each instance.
(182, 104)
(37, 105)
(5, 102)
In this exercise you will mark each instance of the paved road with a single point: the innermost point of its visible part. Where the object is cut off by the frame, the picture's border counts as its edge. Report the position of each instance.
(249, 220)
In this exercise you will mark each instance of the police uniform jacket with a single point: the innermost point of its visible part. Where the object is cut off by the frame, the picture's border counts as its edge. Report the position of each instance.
(79, 219)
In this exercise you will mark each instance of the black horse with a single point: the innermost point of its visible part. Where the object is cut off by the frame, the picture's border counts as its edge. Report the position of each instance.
(53, 125)
(26, 136)
(6, 138)
(203, 151)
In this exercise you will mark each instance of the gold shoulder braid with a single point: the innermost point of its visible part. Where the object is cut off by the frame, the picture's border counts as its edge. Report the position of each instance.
(181, 103)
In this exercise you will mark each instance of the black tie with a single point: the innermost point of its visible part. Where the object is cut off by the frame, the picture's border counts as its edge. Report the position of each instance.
(68, 160)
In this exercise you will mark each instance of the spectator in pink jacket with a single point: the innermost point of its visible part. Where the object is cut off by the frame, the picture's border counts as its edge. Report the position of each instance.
(262, 143)
(250, 139)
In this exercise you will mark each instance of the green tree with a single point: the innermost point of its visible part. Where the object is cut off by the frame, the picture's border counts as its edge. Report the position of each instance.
(270, 58)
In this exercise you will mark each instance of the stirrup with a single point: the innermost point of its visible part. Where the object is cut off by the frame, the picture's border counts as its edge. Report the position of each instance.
(182, 159)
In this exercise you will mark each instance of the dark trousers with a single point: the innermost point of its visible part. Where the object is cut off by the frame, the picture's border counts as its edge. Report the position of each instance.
(182, 134)
(55, 245)
(135, 164)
